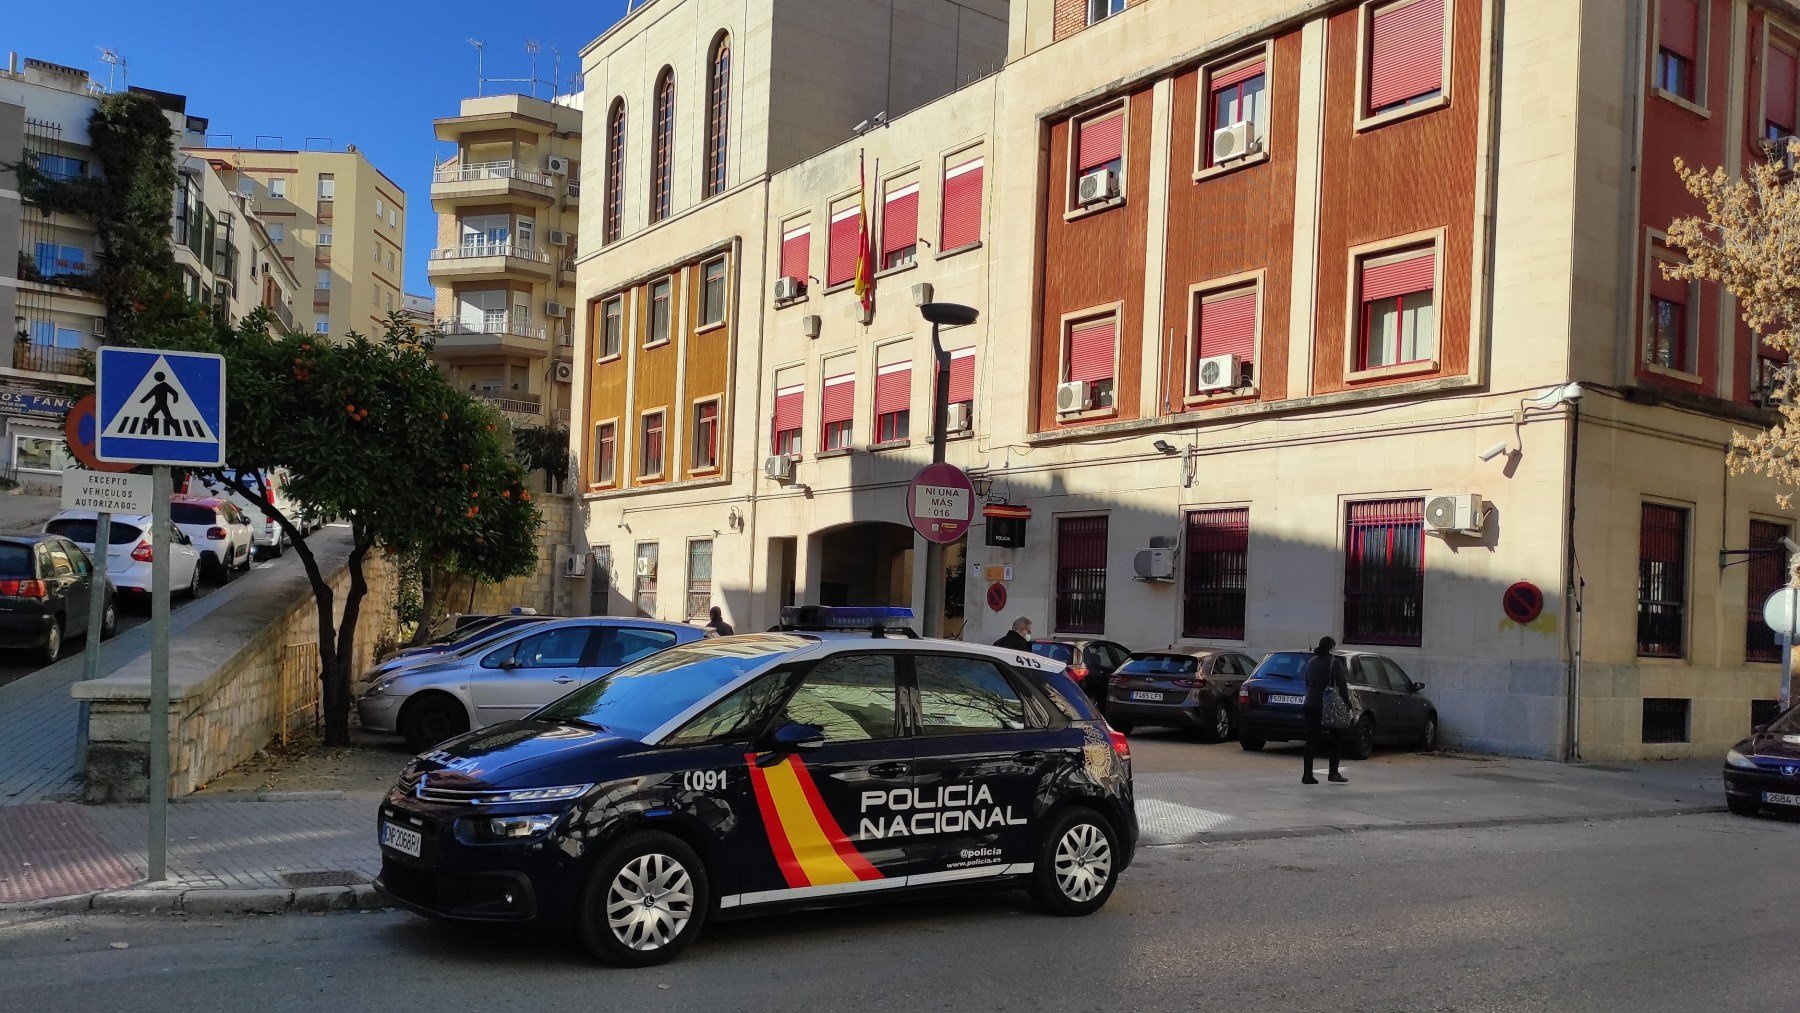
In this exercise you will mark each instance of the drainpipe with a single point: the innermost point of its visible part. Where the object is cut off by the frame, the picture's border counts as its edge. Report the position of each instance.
(1572, 615)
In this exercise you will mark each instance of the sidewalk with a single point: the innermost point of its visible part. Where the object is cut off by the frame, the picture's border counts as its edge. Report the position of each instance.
(255, 843)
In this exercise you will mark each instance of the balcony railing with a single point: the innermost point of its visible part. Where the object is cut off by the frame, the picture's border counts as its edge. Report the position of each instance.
(498, 327)
(475, 172)
(47, 358)
(514, 405)
(475, 251)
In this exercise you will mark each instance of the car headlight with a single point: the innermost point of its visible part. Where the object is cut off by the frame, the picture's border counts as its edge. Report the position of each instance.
(1733, 758)
(511, 828)
(558, 794)
(380, 688)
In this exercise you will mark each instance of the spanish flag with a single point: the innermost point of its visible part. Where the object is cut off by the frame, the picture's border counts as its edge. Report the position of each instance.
(865, 242)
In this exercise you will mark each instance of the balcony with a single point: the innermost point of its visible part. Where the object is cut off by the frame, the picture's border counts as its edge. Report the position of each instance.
(525, 410)
(49, 358)
(460, 340)
(487, 182)
(488, 262)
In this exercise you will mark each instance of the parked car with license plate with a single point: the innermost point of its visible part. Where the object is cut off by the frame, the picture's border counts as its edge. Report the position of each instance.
(510, 676)
(219, 531)
(1763, 771)
(132, 544)
(1195, 689)
(1389, 706)
(46, 586)
(478, 640)
(1090, 662)
(739, 775)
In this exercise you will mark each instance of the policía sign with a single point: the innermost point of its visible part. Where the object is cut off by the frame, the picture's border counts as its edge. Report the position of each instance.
(107, 492)
(941, 503)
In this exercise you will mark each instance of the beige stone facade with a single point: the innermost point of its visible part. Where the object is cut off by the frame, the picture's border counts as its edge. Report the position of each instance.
(1538, 278)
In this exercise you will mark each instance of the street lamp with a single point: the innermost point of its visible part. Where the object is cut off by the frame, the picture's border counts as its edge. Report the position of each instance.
(940, 315)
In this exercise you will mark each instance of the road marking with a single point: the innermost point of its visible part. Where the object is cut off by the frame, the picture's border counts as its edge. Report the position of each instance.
(1163, 821)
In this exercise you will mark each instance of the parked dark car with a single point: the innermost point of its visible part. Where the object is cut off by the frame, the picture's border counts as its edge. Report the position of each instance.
(45, 581)
(466, 634)
(1180, 689)
(1390, 709)
(1763, 771)
(1091, 662)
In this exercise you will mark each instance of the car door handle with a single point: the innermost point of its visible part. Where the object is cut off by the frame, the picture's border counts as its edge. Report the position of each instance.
(889, 771)
(1029, 756)
(563, 680)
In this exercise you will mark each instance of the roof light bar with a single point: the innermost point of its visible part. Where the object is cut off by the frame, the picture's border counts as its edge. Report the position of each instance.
(838, 617)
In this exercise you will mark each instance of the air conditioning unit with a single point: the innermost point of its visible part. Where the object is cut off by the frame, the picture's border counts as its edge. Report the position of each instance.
(1074, 396)
(779, 467)
(1154, 564)
(1097, 187)
(565, 372)
(556, 309)
(1234, 142)
(789, 289)
(556, 165)
(558, 237)
(1218, 372)
(1462, 513)
(959, 417)
(646, 567)
(575, 564)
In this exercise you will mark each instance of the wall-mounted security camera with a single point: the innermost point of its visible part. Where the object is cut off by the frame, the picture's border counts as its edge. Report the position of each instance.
(1497, 450)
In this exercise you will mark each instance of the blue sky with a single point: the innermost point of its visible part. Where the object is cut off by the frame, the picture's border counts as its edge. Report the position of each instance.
(375, 73)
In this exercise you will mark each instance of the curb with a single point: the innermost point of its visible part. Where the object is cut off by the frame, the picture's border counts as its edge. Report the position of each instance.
(1358, 828)
(204, 901)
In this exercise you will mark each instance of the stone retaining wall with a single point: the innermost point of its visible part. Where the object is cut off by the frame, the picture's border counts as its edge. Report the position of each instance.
(224, 677)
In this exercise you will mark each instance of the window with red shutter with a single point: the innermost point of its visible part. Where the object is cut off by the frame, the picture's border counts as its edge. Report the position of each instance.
(605, 451)
(1667, 343)
(1088, 355)
(662, 144)
(790, 411)
(1384, 573)
(650, 458)
(1239, 95)
(613, 221)
(1781, 90)
(900, 226)
(962, 376)
(1398, 319)
(841, 247)
(718, 115)
(893, 402)
(1100, 143)
(1678, 47)
(1215, 574)
(796, 254)
(1406, 55)
(1662, 581)
(1081, 574)
(837, 412)
(962, 206)
(1227, 323)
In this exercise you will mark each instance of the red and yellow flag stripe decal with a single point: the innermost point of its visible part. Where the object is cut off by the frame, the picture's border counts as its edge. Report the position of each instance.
(809, 846)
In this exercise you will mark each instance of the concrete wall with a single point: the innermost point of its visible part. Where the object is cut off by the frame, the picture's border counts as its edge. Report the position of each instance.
(224, 679)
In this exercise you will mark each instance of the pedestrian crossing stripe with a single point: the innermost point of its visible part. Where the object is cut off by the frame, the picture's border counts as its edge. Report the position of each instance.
(160, 408)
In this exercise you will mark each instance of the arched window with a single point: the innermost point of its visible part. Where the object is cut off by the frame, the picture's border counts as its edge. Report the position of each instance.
(662, 143)
(615, 172)
(718, 114)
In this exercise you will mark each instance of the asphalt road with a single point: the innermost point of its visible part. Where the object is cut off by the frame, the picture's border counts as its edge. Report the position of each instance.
(1677, 913)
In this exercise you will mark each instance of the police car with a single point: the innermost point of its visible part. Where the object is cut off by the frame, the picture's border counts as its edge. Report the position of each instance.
(837, 758)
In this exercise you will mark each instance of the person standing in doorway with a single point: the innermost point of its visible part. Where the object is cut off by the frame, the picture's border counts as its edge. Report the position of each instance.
(716, 623)
(1324, 680)
(1019, 637)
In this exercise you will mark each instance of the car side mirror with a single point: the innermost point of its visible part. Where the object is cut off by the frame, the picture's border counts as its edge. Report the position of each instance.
(794, 737)
(1759, 729)
(1417, 686)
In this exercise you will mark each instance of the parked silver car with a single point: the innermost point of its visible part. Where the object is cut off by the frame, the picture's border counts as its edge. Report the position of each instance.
(516, 674)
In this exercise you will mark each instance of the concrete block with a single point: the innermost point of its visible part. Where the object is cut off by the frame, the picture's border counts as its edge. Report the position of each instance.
(56, 905)
(325, 898)
(225, 902)
(142, 900)
(367, 898)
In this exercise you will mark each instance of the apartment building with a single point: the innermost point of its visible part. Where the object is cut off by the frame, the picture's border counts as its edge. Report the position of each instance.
(508, 204)
(337, 220)
(1281, 305)
(221, 249)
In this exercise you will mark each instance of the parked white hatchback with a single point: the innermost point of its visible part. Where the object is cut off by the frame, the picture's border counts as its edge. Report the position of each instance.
(131, 546)
(219, 530)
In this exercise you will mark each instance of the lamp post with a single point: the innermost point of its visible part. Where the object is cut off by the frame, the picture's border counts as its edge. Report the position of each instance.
(940, 315)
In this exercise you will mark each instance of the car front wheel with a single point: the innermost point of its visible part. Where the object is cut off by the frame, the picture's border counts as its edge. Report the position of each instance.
(109, 620)
(193, 585)
(1219, 725)
(1077, 864)
(645, 901)
(429, 720)
(1428, 736)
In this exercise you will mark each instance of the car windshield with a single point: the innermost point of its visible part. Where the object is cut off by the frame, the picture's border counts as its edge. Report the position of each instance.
(15, 560)
(1786, 724)
(192, 513)
(81, 529)
(1064, 653)
(641, 697)
(1283, 665)
(474, 629)
(1161, 664)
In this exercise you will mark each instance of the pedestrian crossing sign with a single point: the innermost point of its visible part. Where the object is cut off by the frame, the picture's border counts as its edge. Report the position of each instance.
(160, 407)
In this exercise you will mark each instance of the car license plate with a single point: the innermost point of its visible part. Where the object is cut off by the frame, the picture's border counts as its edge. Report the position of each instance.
(1777, 798)
(1148, 697)
(1287, 698)
(405, 841)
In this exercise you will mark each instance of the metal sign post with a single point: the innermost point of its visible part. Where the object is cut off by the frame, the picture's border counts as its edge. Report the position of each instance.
(90, 661)
(162, 409)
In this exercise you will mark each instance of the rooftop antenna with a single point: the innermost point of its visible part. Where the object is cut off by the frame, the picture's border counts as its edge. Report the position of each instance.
(480, 59)
(532, 47)
(114, 61)
(555, 72)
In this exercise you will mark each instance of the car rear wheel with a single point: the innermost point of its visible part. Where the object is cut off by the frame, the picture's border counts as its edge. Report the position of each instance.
(1219, 724)
(1429, 734)
(1359, 739)
(1077, 864)
(429, 720)
(249, 557)
(193, 585)
(1251, 743)
(52, 647)
(109, 620)
(645, 901)
(1742, 806)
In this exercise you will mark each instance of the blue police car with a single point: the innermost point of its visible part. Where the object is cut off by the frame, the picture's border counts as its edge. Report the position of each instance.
(837, 758)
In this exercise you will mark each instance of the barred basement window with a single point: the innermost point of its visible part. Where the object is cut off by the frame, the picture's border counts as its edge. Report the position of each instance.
(699, 578)
(1081, 574)
(1384, 573)
(1215, 576)
(1665, 720)
(647, 553)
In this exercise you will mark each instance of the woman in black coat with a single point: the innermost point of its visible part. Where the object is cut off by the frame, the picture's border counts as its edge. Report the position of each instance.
(1323, 675)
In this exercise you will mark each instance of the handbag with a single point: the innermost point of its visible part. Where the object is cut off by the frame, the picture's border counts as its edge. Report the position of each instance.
(1334, 713)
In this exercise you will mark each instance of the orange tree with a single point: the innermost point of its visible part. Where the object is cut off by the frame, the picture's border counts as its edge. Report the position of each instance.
(372, 433)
